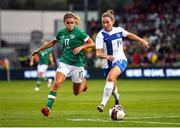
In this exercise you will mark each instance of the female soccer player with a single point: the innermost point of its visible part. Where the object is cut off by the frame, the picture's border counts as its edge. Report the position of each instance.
(71, 62)
(45, 56)
(109, 47)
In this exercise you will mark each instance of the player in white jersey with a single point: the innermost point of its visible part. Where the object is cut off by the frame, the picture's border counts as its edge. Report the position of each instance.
(109, 47)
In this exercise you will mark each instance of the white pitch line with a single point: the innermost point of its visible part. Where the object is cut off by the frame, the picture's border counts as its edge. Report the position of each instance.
(90, 120)
(154, 122)
(148, 117)
(153, 117)
(108, 120)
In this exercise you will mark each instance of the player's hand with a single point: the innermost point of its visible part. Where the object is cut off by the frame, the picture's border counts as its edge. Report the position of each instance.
(77, 50)
(110, 58)
(34, 53)
(146, 44)
(31, 63)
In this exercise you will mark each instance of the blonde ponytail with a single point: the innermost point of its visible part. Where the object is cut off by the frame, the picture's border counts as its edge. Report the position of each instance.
(110, 14)
(72, 15)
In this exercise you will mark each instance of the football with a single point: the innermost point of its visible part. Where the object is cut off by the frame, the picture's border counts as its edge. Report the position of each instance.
(116, 112)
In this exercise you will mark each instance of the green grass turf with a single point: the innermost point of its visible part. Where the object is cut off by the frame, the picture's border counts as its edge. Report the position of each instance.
(147, 103)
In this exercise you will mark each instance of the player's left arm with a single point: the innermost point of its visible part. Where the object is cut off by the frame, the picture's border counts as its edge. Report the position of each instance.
(137, 38)
(31, 63)
(89, 43)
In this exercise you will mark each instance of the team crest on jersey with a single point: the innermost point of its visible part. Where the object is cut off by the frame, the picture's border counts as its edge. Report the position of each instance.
(72, 36)
(62, 37)
(118, 35)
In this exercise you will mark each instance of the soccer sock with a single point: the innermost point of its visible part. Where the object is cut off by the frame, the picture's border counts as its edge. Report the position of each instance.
(107, 92)
(116, 95)
(38, 82)
(51, 98)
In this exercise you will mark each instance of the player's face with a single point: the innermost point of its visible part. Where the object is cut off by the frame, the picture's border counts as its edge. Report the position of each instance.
(69, 23)
(107, 23)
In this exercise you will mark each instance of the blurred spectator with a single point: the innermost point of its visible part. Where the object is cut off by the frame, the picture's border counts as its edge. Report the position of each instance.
(157, 22)
(4, 63)
(15, 62)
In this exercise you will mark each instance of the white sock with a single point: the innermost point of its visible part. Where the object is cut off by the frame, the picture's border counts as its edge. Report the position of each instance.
(107, 92)
(115, 94)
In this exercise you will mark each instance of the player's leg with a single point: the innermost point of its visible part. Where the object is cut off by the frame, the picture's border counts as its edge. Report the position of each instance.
(61, 74)
(115, 93)
(59, 79)
(79, 87)
(50, 82)
(38, 81)
(122, 64)
(41, 69)
(79, 81)
(110, 83)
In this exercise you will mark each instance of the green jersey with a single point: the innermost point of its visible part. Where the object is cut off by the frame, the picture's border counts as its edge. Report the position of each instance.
(44, 56)
(71, 40)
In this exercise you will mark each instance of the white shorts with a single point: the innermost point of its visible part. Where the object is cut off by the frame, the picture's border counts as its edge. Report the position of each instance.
(76, 73)
(42, 68)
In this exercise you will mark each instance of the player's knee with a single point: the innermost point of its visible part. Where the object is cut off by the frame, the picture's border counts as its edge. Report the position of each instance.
(57, 84)
(111, 78)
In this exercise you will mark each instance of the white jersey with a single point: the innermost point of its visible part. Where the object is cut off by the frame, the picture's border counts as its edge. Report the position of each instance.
(112, 44)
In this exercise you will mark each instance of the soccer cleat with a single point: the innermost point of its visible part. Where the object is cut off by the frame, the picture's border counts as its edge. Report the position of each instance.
(45, 111)
(85, 85)
(101, 108)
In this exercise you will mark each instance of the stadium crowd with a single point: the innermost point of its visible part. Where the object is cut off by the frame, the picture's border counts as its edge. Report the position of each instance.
(159, 23)
(156, 21)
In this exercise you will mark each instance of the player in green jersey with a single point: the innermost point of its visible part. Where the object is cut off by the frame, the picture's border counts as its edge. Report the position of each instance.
(45, 57)
(72, 60)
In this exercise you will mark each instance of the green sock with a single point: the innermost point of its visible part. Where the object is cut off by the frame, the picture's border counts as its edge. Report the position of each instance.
(51, 98)
(38, 82)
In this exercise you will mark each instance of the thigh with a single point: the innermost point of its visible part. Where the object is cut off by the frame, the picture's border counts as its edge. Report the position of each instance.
(58, 80)
(77, 74)
(122, 64)
(114, 72)
(59, 77)
(42, 69)
(63, 68)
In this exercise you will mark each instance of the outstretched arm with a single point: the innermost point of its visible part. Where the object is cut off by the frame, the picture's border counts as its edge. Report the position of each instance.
(137, 38)
(45, 46)
(89, 43)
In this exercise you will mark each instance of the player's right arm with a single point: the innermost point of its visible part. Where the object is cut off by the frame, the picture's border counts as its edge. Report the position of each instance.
(45, 46)
(100, 50)
(100, 54)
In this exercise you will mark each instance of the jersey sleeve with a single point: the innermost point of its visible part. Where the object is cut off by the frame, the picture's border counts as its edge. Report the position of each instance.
(49, 51)
(124, 32)
(83, 36)
(99, 41)
(58, 35)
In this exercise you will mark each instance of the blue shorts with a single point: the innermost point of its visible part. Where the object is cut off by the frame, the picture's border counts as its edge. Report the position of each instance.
(122, 64)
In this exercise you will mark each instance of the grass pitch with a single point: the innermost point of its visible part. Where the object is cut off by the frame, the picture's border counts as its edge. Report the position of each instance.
(148, 103)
